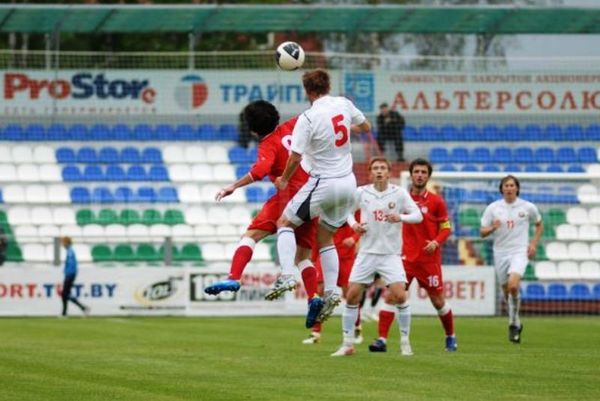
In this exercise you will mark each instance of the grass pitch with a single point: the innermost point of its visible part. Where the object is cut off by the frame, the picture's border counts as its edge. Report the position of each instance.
(110, 359)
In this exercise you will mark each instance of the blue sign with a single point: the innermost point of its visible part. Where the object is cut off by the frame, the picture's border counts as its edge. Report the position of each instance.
(360, 88)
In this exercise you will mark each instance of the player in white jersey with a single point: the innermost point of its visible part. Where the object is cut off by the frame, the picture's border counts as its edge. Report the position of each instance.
(321, 142)
(508, 219)
(383, 206)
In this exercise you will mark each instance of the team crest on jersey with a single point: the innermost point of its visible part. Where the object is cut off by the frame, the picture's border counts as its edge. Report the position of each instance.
(424, 209)
(391, 205)
(521, 214)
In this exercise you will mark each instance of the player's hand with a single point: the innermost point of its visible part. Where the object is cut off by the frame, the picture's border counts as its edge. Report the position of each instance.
(348, 242)
(228, 190)
(531, 250)
(431, 247)
(392, 218)
(496, 224)
(360, 228)
(280, 183)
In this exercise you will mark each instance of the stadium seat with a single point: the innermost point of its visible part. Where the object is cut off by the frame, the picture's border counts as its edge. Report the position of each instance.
(566, 155)
(151, 216)
(556, 251)
(93, 172)
(115, 232)
(121, 132)
(164, 132)
(490, 168)
(167, 195)
(13, 132)
(534, 292)
(459, 155)
(92, 232)
(108, 155)
(568, 270)
(217, 215)
(566, 232)
(41, 215)
(22, 154)
(100, 132)
(470, 133)
(227, 230)
(242, 170)
(50, 173)
(205, 231)
(194, 154)
(136, 173)
(439, 155)
(587, 155)
(58, 193)
(71, 230)
(213, 251)
(65, 155)
(115, 173)
(480, 155)
(594, 215)
(124, 195)
(63, 215)
(43, 154)
(102, 195)
(185, 132)
(195, 215)
(19, 215)
(5, 154)
(28, 173)
(239, 215)
(543, 154)
(255, 195)
(35, 253)
(137, 232)
(182, 231)
(143, 132)
(557, 292)
(129, 216)
(106, 217)
(71, 173)
(228, 132)
(580, 292)
(14, 194)
(216, 154)
(87, 155)
(190, 252)
(173, 154)
(151, 155)
(554, 168)
(202, 172)
(124, 253)
(57, 132)
(130, 155)
(180, 173)
(26, 234)
(575, 168)
(523, 155)
(102, 253)
(532, 168)
(574, 133)
(589, 270)
(512, 168)
(224, 173)
(146, 195)
(512, 133)
(502, 154)
(429, 133)
(189, 193)
(173, 217)
(491, 132)
(578, 250)
(588, 193)
(588, 232)
(158, 173)
(147, 253)
(447, 167)
(577, 216)
(553, 132)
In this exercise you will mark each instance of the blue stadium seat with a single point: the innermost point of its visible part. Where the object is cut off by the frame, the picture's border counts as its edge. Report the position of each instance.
(239, 155)
(592, 132)
(87, 155)
(242, 170)
(108, 155)
(557, 292)
(136, 173)
(185, 132)
(101, 132)
(543, 154)
(554, 168)
(271, 191)
(566, 155)
(121, 132)
(71, 173)
(587, 154)
(115, 173)
(439, 155)
(470, 132)
(167, 195)
(78, 132)
(410, 133)
(65, 155)
(532, 168)
(255, 194)
(481, 155)
(1, 198)
(158, 173)
(490, 168)
(575, 168)
(491, 133)
(469, 168)
(532, 132)
(164, 132)
(454, 194)
(57, 132)
(459, 155)
(130, 155)
(14, 132)
(447, 167)
(143, 132)
(124, 195)
(152, 155)
(580, 292)
(477, 196)
(553, 132)
(534, 292)
(146, 195)
(80, 195)
(93, 172)
(596, 292)
(502, 154)
(228, 132)
(512, 133)
(574, 132)
(512, 168)
(450, 133)
(523, 155)
(207, 132)
(102, 195)
(35, 132)
(429, 133)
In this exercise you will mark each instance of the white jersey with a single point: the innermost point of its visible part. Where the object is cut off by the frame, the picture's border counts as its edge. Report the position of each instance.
(322, 136)
(383, 237)
(513, 235)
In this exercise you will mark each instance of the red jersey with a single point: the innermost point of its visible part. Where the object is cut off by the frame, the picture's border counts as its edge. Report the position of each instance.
(273, 153)
(435, 226)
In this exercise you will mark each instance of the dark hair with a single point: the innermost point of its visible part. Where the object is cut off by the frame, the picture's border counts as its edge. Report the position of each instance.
(316, 82)
(420, 162)
(262, 117)
(510, 177)
(379, 159)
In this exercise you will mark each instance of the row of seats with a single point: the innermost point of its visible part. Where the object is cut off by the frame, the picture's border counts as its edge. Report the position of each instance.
(580, 215)
(203, 173)
(109, 155)
(123, 195)
(94, 172)
(144, 253)
(119, 132)
(20, 154)
(577, 250)
(472, 216)
(126, 217)
(567, 270)
(508, 133)
(505, 155)
(513, 168)
(560, 292)
(459, 195)
(30, 173)
(583, 232)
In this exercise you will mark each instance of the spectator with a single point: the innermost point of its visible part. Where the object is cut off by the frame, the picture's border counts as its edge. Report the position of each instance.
(3, 246)
(390, 127)
(70, 273)
(245, 136)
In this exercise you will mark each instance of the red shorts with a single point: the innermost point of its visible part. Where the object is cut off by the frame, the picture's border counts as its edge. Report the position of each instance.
(266, 220)
(427, 274)
(343, 275)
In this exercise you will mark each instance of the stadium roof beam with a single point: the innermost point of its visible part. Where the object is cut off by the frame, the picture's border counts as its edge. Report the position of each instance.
(32, 18)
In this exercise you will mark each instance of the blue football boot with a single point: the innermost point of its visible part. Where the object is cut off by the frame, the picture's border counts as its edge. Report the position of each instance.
(223, 285)
(315, 306)
(451, 345)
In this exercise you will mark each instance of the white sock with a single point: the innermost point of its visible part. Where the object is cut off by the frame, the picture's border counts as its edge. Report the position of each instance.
(514, 303)
(286, 249)
(404, 319)
(247, 241)
(331, 267)
(348, 318)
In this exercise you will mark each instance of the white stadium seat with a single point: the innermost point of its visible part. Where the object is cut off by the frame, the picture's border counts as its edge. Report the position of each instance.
(14, 194)
(36, 194)
(195, 215)
(180, 173)
(58, 193)
(216, 154)
(22, 154)
(566, 232)
(50, 173)
(160, 231)
(240, 215)
(568, 270)
(82, 252)
(578, 251)
(262, 252)
(93, 233)
(589, 270)
(48, 232)
(589, 232)
(173, 154)
(546, 270)
(217, 215)
(19, 216)
(189, 193)
(239, 196)
(138, 232)
(35, 253)
(202, 173)
(26, 234)
(594, 215)
(212, 251)
(182, 231)
(195, 154)
(44, 154)
(209, 191)
(227, 230)
(71, 230)
(588, 193)
(577, 216)
(205, 230)
(115, 233)
(224, 173)
(8, 172)
(63, 215)
(5, 154)
(557, 251)
(41, 215)
(595, 251)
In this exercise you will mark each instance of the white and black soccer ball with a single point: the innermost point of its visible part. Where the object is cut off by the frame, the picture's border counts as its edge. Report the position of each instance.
(289, 56)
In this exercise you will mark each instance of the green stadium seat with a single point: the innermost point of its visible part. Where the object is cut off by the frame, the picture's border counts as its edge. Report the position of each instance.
(3, 218)
(13, 252)
(189, 252)
(106, 217)
(6, 228)
(469, 217)
(102, 253)
(529, 273)
(84, 217)
(173, 217)
(147, 253)
(540, 253)
(124, 253)
(151, 217)
(129, 216)
(549, 232)
(555, 216)
(274, 254)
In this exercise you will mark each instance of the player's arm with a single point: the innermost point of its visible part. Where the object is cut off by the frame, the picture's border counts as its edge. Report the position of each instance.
(291, 165)
(537, 234)
(488, 225)
(444, 229)
(353, 217)
(229, 189)
(411, 213)
(300, 139)
(359, 123)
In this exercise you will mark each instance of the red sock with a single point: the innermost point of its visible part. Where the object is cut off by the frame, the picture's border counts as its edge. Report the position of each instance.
(386, 318)
(241, 257)
(448, 323)
(309, 277)
(316, 328)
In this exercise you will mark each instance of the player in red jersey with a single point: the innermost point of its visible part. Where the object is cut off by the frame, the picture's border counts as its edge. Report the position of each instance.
(273, 151)
(421, 252)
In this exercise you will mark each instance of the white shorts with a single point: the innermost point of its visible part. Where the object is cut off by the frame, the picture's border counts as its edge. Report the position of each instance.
(389, 267)
(330, 199)
(508, 264)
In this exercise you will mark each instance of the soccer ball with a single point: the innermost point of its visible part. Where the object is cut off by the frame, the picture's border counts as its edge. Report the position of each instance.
(289, 56)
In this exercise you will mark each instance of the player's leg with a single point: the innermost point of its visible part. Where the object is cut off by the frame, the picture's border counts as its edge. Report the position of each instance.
(310, 279)
(387, 314)
(330, 266)
(315, 331)
(349, 317)
(66, 293)
(343, 282)
(518, 264)
(399, 299)
(431, 279)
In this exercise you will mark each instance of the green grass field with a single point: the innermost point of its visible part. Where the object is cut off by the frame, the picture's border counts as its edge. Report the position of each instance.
(112, 359)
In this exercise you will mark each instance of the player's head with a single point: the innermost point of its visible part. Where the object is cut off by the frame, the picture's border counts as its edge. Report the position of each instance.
(380, 169)
(66, 241)
(262, 118)
(420, 171)
(509, 186)
(384, 108)
(316, 83)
